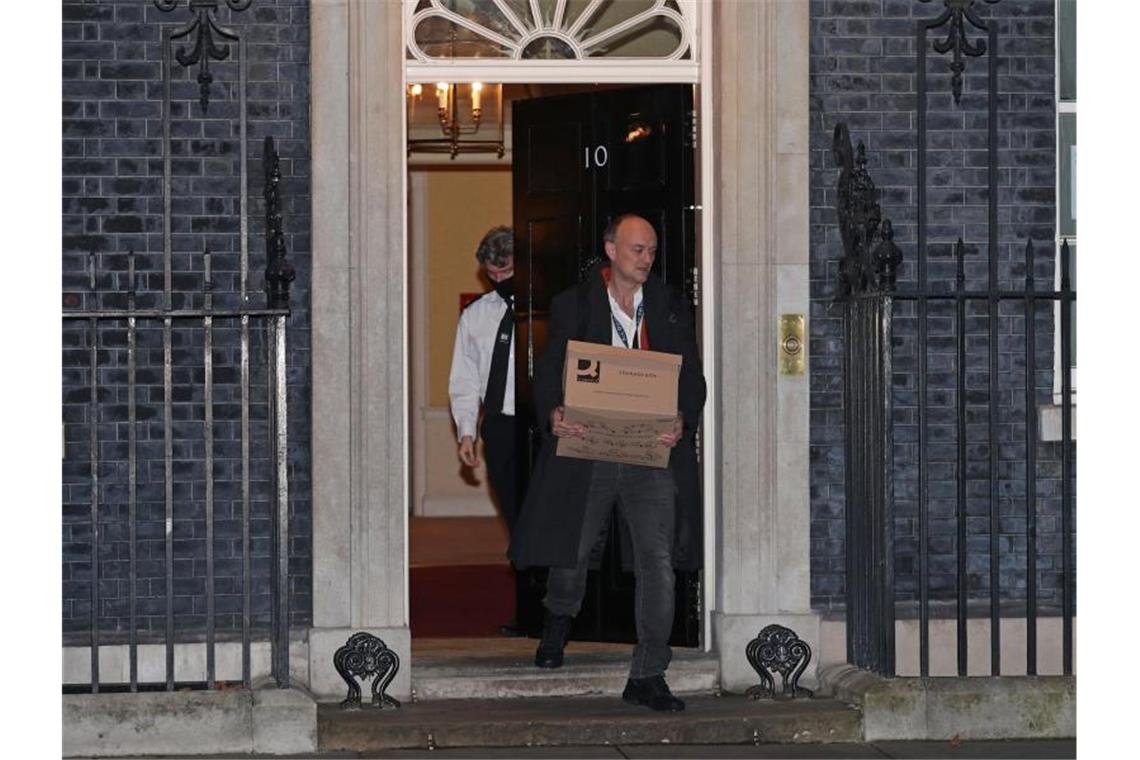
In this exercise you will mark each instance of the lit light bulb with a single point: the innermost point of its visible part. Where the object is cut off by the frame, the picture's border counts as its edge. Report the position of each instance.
(476, 95)
(416, 90)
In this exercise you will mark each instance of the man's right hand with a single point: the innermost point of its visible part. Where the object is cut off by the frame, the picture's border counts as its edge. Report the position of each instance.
(560, 427)
(467, 453)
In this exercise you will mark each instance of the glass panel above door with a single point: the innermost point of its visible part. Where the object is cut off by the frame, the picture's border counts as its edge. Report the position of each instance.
(551, 29)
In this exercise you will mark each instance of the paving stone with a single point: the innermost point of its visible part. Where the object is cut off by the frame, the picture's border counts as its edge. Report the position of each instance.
(839, 750)
(1060, 748)
(1047, 750)
(507, 753)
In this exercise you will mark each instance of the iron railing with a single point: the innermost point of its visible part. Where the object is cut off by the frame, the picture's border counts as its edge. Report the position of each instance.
(121, 326)
(872, 305)
(113, 320)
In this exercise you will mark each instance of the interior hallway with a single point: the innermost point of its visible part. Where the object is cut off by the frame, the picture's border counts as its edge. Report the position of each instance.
(461, 582)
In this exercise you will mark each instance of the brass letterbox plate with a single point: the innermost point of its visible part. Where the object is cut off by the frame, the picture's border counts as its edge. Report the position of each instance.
(792, 344)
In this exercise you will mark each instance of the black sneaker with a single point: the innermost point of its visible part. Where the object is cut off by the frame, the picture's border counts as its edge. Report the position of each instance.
(555, 629)
(652, 692)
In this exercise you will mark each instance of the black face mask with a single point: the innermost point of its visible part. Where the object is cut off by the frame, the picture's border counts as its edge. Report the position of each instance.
(506, 288)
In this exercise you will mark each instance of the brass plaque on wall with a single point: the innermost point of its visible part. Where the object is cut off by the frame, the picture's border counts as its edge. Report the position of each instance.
(792, 344)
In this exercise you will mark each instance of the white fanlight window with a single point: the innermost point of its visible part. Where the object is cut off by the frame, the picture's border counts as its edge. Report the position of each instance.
(630, 40)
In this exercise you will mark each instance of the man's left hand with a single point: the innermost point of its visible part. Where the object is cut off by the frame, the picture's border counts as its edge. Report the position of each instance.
(671, 438)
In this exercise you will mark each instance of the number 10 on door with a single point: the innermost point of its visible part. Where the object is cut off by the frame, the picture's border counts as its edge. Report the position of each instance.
(600, 155)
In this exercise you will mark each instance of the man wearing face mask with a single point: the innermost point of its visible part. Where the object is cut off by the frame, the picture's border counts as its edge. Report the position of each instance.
(483, 368)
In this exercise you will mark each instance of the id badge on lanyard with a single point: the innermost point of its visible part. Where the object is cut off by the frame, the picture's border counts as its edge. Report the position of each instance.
(636, 326)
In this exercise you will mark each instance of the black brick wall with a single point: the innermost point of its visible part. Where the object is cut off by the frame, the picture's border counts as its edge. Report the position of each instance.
(863, 67)
(112, 203)
(862, 72)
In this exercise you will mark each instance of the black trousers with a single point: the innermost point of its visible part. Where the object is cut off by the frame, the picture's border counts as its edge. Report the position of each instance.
(646, 499)
(499, 437)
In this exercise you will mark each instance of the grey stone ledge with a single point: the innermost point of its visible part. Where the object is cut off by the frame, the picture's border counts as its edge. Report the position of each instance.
(266, 721)
(933, 709)
(1049, 418)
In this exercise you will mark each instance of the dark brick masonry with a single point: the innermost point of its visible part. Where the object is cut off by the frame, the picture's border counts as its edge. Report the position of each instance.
(862, 72)
(863, 66)
(112, 203)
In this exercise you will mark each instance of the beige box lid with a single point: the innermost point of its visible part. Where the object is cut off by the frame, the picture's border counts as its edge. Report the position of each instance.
(607, 378)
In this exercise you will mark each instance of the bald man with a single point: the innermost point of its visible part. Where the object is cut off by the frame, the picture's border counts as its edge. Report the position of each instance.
(570, 501)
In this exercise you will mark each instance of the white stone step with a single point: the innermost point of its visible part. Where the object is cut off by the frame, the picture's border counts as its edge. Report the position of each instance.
(583, 673)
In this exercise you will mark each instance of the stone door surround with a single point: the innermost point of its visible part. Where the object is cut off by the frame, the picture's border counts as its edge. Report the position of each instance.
(757, 118)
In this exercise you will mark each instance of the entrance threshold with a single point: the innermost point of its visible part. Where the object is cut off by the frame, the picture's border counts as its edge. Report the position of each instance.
(495, 668)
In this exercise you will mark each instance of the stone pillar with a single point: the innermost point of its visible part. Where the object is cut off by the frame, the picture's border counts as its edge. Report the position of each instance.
(760, 129)
(359, 474)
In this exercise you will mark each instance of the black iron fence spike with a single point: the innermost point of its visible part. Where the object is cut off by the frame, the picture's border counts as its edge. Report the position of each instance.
(960, 256)
(956, 14)
(131, 279)
(864, 266)
(888, 257)
(1029, 276)
(209, 40)
(1066, 262)
(278, 271)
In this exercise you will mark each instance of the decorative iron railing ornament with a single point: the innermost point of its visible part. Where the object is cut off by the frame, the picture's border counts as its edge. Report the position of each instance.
(366, 656)
(886, 256)
(535, 35)
(957, 13)
(778, 650)
(278, 271)
(860, 222)
(204, 27)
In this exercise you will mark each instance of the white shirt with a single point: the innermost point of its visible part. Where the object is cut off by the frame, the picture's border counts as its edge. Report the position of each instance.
(471, 362)
(627, 322)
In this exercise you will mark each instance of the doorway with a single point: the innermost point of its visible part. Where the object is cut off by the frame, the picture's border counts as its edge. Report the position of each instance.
(459, 581)
(577, 155)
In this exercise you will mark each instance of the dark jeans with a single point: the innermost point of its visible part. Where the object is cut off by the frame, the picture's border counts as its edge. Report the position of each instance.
(498, 431)
(646, 498)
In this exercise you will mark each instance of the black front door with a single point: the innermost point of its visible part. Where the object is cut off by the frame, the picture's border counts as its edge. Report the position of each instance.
(579, 161)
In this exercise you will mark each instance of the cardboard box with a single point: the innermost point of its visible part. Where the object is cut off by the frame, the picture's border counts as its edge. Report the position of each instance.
(624, 397)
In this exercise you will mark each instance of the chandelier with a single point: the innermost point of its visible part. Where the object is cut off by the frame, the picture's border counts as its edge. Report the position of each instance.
(460, 111)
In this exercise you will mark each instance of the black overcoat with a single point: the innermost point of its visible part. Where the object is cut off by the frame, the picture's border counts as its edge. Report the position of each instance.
(549, 527)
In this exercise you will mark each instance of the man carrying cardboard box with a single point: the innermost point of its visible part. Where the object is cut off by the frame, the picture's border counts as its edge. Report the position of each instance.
(570, 499)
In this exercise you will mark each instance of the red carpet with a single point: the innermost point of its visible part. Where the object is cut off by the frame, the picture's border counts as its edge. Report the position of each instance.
(461, 600)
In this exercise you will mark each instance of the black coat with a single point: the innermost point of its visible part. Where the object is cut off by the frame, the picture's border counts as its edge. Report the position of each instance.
(550, 524)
